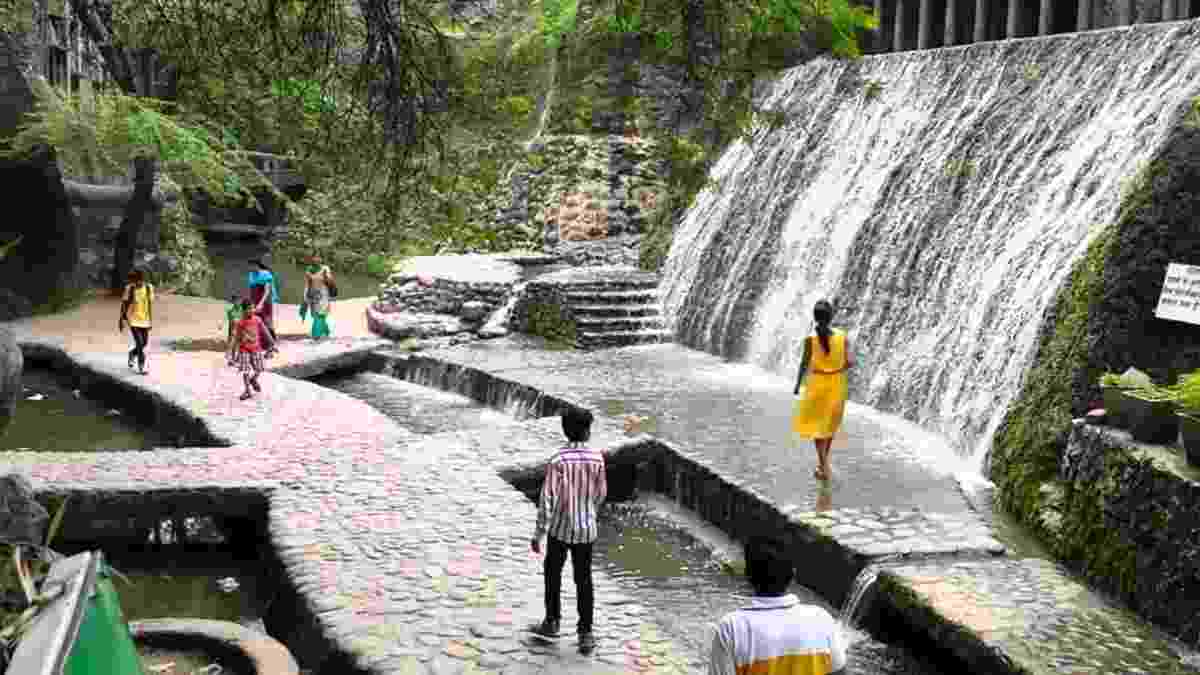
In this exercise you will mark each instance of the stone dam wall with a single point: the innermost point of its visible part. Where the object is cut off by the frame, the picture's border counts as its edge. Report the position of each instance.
(941, 199)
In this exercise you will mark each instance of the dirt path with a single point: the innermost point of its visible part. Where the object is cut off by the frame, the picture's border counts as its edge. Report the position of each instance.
(92, 327)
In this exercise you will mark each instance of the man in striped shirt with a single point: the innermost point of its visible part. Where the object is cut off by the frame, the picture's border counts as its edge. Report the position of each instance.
(775, 634)
(573, 490)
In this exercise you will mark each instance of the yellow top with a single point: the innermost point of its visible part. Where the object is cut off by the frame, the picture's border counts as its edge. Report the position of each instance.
(829, 362)
(139, 299)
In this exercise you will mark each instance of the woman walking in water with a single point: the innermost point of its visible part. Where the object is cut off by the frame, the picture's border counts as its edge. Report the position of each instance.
(823, 368)
(263, 296)
(318, 280)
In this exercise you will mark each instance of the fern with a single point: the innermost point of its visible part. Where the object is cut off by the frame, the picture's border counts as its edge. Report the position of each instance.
(104, 133)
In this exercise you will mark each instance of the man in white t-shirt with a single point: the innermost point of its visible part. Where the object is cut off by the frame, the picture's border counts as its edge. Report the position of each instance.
(775, 634)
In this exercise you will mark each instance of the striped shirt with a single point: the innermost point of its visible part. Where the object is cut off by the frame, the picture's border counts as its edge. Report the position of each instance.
(778, 636)
(574, 488)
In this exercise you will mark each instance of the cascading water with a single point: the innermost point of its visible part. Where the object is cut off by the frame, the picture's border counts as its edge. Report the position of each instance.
(858, 592)
(498, 321)
(941, 210)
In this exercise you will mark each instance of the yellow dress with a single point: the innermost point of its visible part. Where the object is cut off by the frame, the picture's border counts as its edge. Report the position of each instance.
(820, 409)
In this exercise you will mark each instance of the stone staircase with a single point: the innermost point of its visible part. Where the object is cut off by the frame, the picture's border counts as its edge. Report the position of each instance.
(609, 306)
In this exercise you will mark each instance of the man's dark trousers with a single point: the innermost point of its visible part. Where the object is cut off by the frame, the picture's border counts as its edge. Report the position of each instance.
(581, 564)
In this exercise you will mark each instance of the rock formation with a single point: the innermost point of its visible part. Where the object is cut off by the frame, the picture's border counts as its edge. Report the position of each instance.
(11, 365)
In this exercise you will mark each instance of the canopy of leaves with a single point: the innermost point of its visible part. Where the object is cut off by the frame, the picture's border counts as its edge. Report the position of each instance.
(103, 133)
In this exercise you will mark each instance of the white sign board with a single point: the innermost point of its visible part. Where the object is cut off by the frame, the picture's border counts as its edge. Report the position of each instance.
(1180, 298)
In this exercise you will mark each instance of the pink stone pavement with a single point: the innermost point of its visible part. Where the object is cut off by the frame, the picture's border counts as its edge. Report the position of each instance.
(410, 553)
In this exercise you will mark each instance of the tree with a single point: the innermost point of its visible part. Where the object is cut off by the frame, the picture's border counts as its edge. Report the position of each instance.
(110, 132)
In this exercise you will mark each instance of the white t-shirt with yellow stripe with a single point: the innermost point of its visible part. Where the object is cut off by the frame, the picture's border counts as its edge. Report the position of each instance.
(778, 636)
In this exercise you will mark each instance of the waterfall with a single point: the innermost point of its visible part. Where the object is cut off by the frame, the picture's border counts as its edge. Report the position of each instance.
(939, 198)
(497, 323)
(858, 592)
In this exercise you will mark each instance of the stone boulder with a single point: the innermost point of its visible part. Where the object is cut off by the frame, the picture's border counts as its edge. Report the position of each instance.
(22, 519)
(44, 263)
(11, 365)
(474, 311)
(579, 217)
(404, 325)
(13, 306)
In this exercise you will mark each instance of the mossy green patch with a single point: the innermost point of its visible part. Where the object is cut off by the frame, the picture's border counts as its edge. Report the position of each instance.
(1088, 539)
(1034, 432)
(552, 323)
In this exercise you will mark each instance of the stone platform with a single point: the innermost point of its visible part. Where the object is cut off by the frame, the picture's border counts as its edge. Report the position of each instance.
(1025, 616)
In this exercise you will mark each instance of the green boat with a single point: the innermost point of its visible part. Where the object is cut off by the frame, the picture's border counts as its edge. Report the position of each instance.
(79, 629)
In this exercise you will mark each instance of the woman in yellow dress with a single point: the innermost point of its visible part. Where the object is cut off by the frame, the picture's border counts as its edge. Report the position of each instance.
(819, 411)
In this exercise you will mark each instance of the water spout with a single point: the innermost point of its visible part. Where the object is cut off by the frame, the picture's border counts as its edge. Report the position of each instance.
(498, 321)
(858, 592)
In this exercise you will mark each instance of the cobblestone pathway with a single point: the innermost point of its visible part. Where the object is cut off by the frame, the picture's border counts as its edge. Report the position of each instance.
(411, 549)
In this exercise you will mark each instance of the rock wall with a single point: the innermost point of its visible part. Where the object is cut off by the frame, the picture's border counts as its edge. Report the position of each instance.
(588, 198)
(1127, 518)
(11, 366)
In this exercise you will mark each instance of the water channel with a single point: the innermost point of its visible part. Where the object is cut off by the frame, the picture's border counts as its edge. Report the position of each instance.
(51, 417)
(649, 556)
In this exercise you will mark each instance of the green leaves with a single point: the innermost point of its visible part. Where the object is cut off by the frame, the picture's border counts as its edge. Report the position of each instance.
(558, 18)
(104, 133)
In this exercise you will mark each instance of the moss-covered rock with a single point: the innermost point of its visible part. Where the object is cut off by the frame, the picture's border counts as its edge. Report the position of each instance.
(552, 322)
(1103, 320)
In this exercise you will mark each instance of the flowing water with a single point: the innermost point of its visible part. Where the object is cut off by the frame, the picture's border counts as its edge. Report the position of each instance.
(942, 215)
(51, 417)
(419, 409)
(858, 593)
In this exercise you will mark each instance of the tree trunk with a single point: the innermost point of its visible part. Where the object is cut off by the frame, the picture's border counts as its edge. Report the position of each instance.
(140, 205)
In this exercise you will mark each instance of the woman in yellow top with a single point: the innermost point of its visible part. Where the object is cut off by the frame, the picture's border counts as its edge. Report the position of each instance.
(819, 412)
(137, 309)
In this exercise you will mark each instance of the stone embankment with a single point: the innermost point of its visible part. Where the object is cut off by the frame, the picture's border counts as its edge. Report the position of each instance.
(1124, 514)
(435, 296)
(460, 298)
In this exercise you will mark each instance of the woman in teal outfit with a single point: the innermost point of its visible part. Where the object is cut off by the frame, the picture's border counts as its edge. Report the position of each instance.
(317, 280)
(264, 294)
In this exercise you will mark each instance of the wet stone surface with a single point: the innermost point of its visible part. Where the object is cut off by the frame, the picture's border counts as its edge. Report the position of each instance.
(1037, 615)
(737, 419)
(886, 531)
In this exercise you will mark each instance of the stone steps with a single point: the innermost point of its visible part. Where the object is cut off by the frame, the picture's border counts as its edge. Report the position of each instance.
(616, 285)
(617, 324)
(643, 296)
(621, 339)
(616, 310)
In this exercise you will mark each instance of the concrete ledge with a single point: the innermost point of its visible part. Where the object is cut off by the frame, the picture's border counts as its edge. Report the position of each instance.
(259, 653)
(362, 356)
(475, 384)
